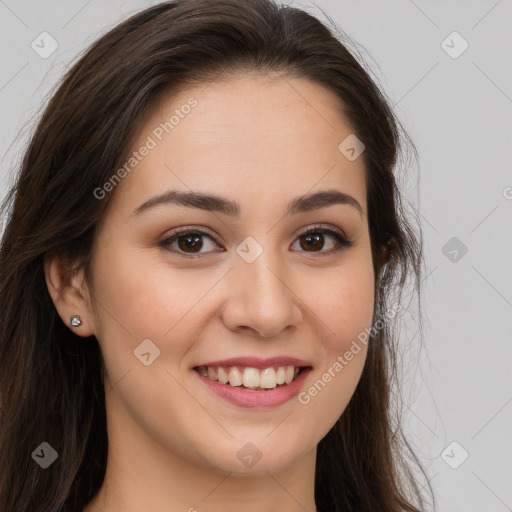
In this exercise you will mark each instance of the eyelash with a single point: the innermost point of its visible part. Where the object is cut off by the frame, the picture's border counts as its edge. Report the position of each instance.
(343, 243)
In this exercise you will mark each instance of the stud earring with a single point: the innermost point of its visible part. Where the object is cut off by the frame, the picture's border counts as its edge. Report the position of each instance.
(75, 321)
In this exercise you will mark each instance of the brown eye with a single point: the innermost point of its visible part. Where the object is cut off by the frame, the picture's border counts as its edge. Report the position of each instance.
(188, 242)
(193, 242)
(314, 241)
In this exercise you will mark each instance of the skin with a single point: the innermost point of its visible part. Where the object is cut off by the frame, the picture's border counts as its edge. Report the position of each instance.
(173, 443)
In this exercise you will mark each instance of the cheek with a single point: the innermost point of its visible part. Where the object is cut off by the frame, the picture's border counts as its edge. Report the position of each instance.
(344, 305)
(140, 297)
(345, 302)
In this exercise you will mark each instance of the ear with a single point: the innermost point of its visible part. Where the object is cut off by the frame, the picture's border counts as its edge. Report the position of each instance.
(69, 293)
(384, 255)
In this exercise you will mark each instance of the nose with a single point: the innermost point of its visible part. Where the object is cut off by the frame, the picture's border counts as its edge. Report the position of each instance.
(261, 297)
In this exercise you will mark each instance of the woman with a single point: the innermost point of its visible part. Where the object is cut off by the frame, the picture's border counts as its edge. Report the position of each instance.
(198, 275)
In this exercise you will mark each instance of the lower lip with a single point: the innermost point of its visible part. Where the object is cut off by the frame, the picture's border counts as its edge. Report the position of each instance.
(247, 398)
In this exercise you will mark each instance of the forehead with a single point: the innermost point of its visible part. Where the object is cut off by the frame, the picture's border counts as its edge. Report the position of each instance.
(248, 137)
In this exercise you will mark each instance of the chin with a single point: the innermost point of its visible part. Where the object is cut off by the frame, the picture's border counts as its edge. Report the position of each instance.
(256, 458)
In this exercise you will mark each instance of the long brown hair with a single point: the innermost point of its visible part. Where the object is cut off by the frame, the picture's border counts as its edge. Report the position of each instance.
(51, 388)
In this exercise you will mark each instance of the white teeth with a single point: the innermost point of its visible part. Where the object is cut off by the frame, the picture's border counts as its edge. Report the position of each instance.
(268, 378)
(251, 378)
(281, 375)
(223, 376)
(235, 376)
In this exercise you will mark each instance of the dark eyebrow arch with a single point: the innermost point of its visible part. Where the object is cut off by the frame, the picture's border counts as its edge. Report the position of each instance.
(214, 203)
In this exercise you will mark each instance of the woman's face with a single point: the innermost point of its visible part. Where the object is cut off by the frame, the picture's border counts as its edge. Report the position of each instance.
(250, 285)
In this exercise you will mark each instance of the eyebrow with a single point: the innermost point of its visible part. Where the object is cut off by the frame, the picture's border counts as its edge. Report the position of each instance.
(214, 203)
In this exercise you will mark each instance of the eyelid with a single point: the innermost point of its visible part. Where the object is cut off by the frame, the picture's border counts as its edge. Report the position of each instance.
(322, 227)
(189, 229)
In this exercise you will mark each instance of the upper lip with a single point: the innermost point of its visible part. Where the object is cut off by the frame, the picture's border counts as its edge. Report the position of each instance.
(256, 362)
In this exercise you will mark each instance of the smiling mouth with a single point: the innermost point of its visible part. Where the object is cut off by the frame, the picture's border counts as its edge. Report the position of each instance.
(252, 378)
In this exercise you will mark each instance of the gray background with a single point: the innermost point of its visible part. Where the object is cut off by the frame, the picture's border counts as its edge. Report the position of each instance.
(458, 112)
